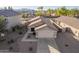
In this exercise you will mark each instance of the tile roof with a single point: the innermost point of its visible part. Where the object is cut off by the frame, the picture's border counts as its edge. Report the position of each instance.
(40, 22)
(72, 21)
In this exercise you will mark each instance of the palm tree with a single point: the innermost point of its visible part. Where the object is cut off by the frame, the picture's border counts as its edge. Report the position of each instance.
(40, 8)
(61, 11)
(49, 12)
(39, 12)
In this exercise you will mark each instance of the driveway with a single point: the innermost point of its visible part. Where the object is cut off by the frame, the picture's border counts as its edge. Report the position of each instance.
(67, 43)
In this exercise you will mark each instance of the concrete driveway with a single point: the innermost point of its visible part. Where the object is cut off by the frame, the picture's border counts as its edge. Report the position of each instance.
(67, 43)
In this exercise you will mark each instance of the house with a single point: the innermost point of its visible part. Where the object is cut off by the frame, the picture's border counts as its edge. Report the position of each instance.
(69, 24)
(40, 36)
(13, 21)
(11, 16)
(53, 14)
(8, 12)
(43, 26)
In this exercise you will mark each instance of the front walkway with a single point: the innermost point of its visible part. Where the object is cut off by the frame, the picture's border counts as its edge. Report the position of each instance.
(47, 46)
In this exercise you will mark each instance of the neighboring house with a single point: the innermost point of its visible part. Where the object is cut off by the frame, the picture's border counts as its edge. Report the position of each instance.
(8, 13)
(53, 14)
(11, 16)
(13, 21)
(69, 24)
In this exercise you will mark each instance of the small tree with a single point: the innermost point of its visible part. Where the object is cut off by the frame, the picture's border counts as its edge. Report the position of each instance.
(24, 15)
(2, 23)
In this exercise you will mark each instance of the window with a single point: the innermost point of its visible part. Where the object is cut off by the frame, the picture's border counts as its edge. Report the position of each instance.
(32, 29)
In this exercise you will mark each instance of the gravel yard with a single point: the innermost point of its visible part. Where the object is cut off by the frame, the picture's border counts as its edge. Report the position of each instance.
(11, 42)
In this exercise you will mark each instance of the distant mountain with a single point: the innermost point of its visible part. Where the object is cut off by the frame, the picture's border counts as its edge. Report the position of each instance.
(13, 12)
(25, 10)
(8, 13)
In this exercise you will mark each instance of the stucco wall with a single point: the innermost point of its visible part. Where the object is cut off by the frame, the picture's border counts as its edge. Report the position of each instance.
(12, 21)
(74, 30)
(46, 33)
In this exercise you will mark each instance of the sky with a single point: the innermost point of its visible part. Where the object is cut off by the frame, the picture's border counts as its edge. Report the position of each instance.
(45, 7)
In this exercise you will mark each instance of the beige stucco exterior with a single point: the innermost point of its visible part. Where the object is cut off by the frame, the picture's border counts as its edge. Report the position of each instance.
(64, 26)
(13, 21)
(46, 33)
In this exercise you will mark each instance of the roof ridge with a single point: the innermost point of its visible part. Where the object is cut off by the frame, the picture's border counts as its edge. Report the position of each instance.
(41, 26)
